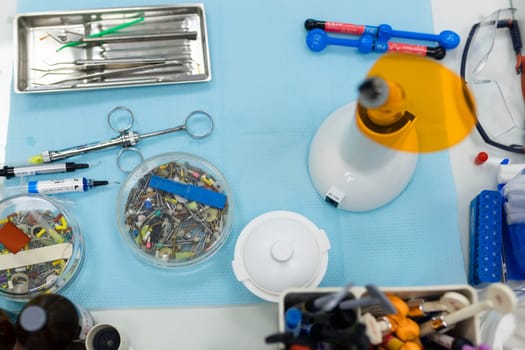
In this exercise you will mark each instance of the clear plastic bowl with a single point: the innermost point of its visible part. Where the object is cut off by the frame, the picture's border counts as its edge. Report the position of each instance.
(179, 226)
(51, 254)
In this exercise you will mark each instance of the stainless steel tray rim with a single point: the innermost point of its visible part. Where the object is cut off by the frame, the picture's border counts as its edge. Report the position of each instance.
(29, 51)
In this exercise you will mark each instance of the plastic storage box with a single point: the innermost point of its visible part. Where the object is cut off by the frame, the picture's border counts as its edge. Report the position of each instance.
(468, 329)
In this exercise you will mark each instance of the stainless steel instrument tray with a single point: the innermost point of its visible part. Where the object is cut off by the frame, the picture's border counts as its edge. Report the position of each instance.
(164, 45)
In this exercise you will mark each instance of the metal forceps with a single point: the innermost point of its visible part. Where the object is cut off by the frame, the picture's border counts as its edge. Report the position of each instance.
(198, 124)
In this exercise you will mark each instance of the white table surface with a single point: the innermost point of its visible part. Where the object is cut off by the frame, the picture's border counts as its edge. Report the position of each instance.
(245, 327)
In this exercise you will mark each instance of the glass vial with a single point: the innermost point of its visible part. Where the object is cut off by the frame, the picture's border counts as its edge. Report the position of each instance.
(51, 322)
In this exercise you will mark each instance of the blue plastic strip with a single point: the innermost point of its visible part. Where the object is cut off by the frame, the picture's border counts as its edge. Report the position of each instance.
(486, 213)
(191, 192)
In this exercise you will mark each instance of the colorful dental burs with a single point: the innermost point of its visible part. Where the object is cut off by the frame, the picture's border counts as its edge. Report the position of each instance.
(176, 212)
(377, 39)
(35, 246)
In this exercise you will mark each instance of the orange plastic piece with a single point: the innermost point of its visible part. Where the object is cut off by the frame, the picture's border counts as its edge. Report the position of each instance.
(13, 238)
(393, 343)
(393, 109)
(404, 328)
(442, 105)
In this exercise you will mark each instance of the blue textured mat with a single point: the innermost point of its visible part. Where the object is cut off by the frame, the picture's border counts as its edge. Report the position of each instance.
(268, 95)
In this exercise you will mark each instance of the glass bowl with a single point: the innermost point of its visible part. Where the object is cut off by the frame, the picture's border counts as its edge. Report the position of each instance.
(41, 246)
(174, 210)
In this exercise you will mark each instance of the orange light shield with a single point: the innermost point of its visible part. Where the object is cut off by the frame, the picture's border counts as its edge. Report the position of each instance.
(439, 99)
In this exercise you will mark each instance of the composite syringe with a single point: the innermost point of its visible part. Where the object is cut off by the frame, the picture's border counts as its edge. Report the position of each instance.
(79, 184)
(29, 170)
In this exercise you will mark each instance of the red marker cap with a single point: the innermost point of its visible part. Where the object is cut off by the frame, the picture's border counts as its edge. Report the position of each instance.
(481, 158)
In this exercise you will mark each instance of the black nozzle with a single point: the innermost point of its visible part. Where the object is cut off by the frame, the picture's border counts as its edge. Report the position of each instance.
(70, 166)
(437, 52)
(310, 24)
(99, 183)
(7, 171)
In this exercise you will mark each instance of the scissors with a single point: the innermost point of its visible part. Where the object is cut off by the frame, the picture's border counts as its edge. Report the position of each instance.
(198, 124)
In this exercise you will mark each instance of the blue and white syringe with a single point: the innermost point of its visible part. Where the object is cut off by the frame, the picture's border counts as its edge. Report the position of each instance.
(79, 184)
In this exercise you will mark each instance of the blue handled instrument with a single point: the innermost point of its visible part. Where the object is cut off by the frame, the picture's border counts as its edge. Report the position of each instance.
(384, 32)
(317, 40)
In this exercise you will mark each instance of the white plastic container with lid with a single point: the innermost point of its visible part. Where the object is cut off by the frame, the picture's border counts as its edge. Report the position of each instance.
(280, 250)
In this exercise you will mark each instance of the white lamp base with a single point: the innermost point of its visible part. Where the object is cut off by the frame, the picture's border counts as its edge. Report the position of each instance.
(353, 172)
